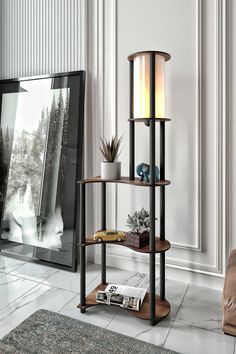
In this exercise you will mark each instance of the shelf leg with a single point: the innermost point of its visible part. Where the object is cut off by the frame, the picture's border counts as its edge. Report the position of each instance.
(82, 275)
(152, 270)
(152, 235)
(162, 276)
(131, 125)
(131, 151)
(162, 209)
(103, 227)
(152, 290)
(82, 246)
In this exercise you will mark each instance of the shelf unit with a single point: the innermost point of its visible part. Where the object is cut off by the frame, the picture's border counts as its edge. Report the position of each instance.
(154, 307)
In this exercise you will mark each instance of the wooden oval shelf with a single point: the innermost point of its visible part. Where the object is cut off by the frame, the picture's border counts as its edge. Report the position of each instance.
(162, 307)
(161, 245)
(125, 180)
(145, 120)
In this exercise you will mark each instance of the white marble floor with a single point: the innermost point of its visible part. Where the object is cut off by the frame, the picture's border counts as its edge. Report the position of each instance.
(194, 325)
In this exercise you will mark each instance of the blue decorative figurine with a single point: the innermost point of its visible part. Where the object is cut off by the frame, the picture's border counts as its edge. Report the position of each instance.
(143, 170)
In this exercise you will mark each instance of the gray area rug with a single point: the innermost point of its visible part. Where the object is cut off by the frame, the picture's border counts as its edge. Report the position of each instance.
(52, 333)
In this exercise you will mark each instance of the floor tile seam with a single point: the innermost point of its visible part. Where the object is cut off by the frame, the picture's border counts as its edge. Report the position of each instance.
(119, 310)
(137, 282)
(76, 294)
(157, 279)
(67, 303)
(22, 295)
(26, 278)
(56, 270)
(199, 327)
(9, 272)
(23, 278)
(174, 319)
(3, 272)
(142, 332)
(37, 284)
(113, 317)
(44, 283)
(93, 279)
(17, 266)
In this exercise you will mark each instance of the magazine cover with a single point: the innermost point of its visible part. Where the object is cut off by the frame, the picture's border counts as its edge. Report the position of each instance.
(124, 296)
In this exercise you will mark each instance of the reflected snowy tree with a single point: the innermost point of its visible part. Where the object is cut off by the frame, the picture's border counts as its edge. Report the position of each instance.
(64, 142)
(54, 141)
(3, 170)
(36, 176)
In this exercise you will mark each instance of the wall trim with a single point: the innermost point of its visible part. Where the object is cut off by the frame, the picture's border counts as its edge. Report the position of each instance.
(222, 133)
(216, 269)
(198, 246)
(226, 232)
(186, 274)
(113, 101)
(140, 258)
(219, 134)
(121, 260)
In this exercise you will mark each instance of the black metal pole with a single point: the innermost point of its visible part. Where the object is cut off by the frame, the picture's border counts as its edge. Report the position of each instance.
(131, 125)
(152, 234)
(103, 227)
(82, 245)
(162, 209)
(131, 151)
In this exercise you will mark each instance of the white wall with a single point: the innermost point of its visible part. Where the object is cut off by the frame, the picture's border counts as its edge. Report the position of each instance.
(195, 33)
(39, 37)
(231, 105)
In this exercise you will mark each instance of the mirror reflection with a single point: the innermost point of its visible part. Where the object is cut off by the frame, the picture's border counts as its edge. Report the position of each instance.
(33, 137)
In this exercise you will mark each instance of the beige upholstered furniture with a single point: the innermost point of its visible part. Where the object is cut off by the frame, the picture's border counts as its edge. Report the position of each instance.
(229, 297)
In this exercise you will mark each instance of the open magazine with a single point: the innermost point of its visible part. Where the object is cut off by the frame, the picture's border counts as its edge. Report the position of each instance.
(124, 296)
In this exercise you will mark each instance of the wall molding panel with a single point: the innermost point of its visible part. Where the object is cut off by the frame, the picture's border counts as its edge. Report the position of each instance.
(183, 257)
(40, 37)
(198, 244)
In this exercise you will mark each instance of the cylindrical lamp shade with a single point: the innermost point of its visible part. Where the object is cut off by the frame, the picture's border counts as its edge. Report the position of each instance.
(142, 85)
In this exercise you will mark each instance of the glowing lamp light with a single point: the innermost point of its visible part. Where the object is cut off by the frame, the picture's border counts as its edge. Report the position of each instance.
(143, 66)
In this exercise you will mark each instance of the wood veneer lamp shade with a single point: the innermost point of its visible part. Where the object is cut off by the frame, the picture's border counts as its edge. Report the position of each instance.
(142, 83)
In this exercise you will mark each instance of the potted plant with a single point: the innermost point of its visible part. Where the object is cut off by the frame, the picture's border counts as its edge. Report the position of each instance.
(110, 167)
(139, 224)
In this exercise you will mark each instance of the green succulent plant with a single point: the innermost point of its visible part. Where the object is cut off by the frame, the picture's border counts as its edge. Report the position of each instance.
(110, 149)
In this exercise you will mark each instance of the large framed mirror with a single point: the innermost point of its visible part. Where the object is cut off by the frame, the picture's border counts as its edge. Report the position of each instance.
(41, 150)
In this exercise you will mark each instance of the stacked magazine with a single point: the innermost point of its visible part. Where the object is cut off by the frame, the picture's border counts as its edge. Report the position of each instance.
(124, 296)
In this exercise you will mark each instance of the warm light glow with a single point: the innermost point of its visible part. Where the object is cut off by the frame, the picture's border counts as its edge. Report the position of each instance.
(159, 86)
(142, 86)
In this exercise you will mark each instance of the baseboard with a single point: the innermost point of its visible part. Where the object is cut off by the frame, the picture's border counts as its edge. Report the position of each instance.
(192, 276)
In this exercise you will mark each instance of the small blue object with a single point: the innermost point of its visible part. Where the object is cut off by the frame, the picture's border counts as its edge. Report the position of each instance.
(143, 171)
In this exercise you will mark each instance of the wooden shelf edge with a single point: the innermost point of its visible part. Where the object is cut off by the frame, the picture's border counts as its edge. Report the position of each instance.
(162, 306)
(161, 245)
(124, 180)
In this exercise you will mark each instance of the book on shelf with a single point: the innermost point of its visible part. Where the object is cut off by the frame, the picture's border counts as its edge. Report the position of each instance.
(124, 296)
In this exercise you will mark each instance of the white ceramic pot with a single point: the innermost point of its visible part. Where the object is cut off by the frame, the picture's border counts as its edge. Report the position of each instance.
(110, 170)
